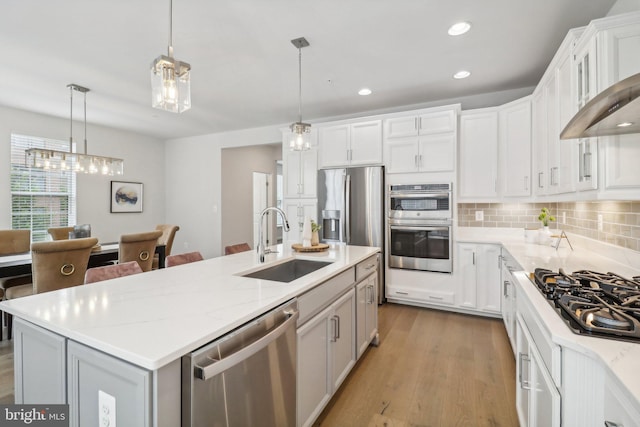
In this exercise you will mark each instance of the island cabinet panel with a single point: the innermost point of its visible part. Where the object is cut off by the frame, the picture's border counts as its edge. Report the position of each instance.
(91, 372)
(40, 365)
(366, 312)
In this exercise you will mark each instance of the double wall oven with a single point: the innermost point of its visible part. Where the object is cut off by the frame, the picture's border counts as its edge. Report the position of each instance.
(419, 227)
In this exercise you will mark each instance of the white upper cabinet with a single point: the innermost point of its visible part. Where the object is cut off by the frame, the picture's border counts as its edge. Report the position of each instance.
(515, 147)
(300, 170)
(350, 144)
(539, 141)
(478, 167)
(421, 143)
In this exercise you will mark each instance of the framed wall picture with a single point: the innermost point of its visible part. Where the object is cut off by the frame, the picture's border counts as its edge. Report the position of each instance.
(126, 196)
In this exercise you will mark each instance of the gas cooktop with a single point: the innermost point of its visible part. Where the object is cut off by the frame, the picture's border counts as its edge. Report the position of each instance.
(600, 304)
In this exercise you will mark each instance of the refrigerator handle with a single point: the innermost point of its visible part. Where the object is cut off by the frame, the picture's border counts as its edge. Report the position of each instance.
(347, 208)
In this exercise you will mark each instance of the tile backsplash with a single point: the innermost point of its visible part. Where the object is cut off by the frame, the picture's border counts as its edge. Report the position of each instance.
(619, 225)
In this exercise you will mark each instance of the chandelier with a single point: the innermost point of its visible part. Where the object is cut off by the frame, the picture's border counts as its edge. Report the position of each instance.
(170, 78)
(41, 158)
(300, 132)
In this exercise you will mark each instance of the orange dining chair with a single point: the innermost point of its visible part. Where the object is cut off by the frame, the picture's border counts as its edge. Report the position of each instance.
(139, 247)
(112, 271)
(168, 235)
(173, 260)
(59, 233)
(13, 242)
(234, 249)
(55, 265)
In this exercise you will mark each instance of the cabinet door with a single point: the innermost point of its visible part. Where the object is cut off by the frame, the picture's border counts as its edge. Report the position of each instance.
(291, 170)
(308, 173)
(488, 278)
(478, 154)
(523, 375)
(334, 146)
(314, 387)
(539, 143)
(621, 155)
(553, 132)
(366, 143)
(545, 398)
(400, 127)
(343, 338)
(296, 210)
(437, 152)
(437, 122)
(568, 150)
(366, 312)
(40, 365)
(467, 274)
(401, 155)
(619, 57)
(91, 371)
(515, 144)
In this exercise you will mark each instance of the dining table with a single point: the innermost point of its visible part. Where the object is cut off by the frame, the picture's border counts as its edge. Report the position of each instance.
(19, 264)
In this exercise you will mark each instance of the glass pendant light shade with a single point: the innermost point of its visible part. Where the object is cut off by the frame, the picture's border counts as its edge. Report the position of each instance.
(300, 138)
(170, 79)
(170, 84)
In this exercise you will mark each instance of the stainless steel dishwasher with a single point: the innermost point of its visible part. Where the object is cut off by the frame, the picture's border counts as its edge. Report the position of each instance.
(245, 378)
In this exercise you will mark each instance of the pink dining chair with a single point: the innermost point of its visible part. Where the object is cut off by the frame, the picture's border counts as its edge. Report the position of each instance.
(111, 271)
(173, 260)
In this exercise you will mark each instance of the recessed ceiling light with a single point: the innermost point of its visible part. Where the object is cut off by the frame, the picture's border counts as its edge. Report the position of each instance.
(463, 74)
(364, 91)
(459, 28)
(624, 124)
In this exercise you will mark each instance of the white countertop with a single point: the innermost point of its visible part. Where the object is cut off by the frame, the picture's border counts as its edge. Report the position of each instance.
(153, 318)
(620, 358)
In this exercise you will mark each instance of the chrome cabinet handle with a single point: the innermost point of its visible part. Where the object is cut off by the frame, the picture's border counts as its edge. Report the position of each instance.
(420, 160)
(372, 295)
(436, 298)
(523, 384)
(587, 165)
(220, 365)
(474, 258)
(505, 288)
(337, 334)
(415, 161)
(540, 179)
(526, 183)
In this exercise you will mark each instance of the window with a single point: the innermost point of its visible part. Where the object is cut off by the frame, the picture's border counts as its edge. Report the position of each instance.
(40, 198)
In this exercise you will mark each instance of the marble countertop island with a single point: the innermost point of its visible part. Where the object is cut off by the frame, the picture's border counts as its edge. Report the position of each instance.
(154, 318)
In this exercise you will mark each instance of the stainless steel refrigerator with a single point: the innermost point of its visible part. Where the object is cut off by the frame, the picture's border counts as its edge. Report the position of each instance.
(351, 209)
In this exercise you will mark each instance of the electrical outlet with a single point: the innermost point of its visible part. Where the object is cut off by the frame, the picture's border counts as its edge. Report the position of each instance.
(479, 215)
(600, 222)
(186, 245)
(106, 409)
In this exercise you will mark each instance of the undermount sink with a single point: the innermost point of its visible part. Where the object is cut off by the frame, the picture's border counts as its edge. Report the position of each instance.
(288, 271)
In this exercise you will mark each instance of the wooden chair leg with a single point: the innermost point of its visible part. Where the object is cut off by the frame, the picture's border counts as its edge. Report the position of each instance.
(9, 325)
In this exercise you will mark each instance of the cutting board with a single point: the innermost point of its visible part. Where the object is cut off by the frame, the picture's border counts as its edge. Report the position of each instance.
(317, 248)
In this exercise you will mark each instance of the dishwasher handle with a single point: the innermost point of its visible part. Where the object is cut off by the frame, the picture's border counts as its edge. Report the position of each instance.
(221, 365)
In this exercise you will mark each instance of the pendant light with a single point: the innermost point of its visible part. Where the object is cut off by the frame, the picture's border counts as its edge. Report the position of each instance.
(40, 158)
(300, 132)
(170, 78)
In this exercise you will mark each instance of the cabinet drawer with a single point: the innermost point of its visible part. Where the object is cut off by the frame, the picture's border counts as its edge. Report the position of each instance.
(324, 294)
(422, 295)
(366, 267)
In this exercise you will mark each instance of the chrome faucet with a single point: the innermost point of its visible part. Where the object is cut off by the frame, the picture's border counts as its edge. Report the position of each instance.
(260, 248)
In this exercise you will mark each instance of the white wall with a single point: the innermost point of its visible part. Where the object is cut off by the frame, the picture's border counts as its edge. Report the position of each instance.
(143, 162)
(193, 189)
(624, 6)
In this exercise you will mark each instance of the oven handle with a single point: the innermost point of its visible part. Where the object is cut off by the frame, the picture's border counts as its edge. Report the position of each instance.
(418, 228)
(420, 195)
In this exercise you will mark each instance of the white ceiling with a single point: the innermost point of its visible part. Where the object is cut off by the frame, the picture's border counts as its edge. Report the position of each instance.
(245, 70)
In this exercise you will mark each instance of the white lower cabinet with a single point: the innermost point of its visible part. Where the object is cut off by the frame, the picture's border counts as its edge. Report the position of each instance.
(91, 372)
(508, 305)
(537, 398)
(366, 312)
(326, 354)
(478, 272)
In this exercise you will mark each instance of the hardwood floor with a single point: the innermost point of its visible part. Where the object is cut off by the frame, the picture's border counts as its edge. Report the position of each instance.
(6, 369)
(432, 368)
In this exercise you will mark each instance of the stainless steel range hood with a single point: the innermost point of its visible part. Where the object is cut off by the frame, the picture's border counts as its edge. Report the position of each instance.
(615, 111)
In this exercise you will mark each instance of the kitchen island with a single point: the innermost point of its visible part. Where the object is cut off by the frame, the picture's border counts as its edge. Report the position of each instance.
(147, 322)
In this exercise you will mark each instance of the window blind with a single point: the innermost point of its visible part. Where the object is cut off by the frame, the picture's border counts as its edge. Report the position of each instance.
(40, 199)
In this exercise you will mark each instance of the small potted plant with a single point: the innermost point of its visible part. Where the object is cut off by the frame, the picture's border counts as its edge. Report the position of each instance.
(315, 237)
(545, 218)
